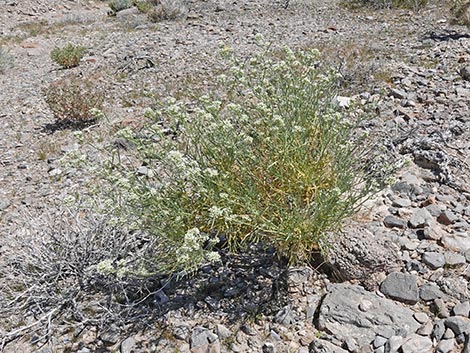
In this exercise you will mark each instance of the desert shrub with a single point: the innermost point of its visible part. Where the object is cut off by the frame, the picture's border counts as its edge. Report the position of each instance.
(166, 10)
(58, 268)
(75, 101)
(266, 157)
(6, 60)
(460, 10)
(119, 5)
(410, 4)
(68, 56)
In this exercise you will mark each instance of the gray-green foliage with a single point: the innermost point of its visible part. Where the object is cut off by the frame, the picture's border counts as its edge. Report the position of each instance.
(267, 156)
(119, 5)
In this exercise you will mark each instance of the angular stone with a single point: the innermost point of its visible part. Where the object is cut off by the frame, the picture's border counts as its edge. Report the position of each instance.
(459, 242)
(458, 324)
(447, 217)
(417, 344)
(430, 291)
(394, 222)
(128, 345)
(393, 344)
(339, 313)
(453, 259)
(434, 260)
(421, 317)
(285, 316)
(401, 202)
(446, 346)
(465, 73)
(438, 330)
(461, 309)
(426, 329)
(204, 341)
(401, 286)
(440, 308)
(421, 218)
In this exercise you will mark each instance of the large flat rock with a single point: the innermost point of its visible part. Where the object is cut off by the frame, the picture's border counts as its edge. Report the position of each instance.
(350, 311)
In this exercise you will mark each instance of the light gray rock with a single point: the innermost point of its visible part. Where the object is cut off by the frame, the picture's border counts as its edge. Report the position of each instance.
(426, 329)
(4, 203)
(461, 309)
(401, 286)
(434, 260)
(459, 242)
(440, 308)
(421, 317)
(417, 344)
(111, 335)
(397, 93)
(223, 332)
(393, 344)
(204, 341)
(340, 314)
(401, 202)
(438, 330)
(458, 324)
(421, 218)
(128, 345)
(448, 334)
(453, 259)
(445, 346)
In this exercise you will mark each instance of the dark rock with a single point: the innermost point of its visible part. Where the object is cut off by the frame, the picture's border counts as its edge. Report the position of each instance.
(447, 217)
(465, 73)
(401, 286)
(400, 202)
(430, 291)
(458, 324)
(322, 346)
(394, 222)
(269, 348)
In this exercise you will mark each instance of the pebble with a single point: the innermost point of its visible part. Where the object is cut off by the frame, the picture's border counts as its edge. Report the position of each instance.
(458, 324)
(401, 286)
(421, 317)
(441, 308)
(430, 291)
(445, 346)
(453, 259)
(434, 260)
(421, 218)
(417, 344)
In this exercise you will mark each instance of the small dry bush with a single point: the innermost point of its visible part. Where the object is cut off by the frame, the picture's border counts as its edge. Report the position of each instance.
(119, 5)
(64, 269)
(68, 56)
(75, 101)
(460, 10)
(162, 10)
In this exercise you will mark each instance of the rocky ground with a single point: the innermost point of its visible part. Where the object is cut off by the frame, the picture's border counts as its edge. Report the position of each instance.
(397, 278)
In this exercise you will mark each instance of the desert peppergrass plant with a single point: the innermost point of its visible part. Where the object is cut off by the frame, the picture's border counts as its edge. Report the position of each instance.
(68, 56)
(268, 157)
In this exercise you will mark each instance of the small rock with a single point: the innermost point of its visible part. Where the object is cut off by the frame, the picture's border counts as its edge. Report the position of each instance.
(128, 345)
(269, 348)
(401, 202)
(421, 317)
(379, 341)
(111, 335)
(223, 332)
(448, 334)
(430, 291)
(285, 316)
(434, 260)
(201, 339)
(458, 324)
(440, 308)
(447, 217)
(461, 309)
(439, 330)
(417, 344)
(397, 93)
(421, 218)
(445, 346)
(401, 286)
(426, 329)
(453, 259)
(459, 242)
(394, 222)
(465, 73)
(393, 344)
(4, 204)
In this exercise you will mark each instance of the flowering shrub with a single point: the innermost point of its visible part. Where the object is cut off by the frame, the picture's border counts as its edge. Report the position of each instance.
(267, 157)
(68, 56)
